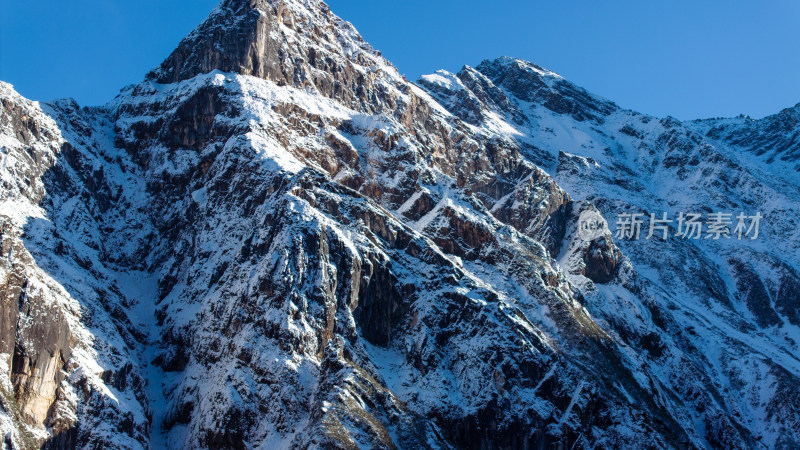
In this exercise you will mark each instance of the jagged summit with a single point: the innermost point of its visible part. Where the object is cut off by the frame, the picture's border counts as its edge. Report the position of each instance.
(239, 36)
(489, 82)
(532, 83)
(234, 38)
(774, 138)
(509, 63)
(289, 42)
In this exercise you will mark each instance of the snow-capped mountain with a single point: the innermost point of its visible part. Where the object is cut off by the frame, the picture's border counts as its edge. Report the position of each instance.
(277, 241)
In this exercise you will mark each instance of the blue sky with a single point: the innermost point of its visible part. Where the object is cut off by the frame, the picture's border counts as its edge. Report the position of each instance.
(683, 58)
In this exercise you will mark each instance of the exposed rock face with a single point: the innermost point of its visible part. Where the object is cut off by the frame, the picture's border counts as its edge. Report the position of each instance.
(601, 259)
(64, 327)
(774, 139)
(236, 38)
(277, 241)
(39, 359)
(531, 83)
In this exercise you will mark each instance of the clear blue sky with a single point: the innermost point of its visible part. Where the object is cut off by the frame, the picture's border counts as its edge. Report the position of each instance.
(684, 58)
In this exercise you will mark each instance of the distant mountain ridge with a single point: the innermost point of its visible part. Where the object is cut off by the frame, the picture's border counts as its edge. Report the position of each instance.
(277, 241)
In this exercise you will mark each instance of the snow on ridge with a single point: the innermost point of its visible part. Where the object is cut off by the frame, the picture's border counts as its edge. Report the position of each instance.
(521, 63)
(444, 79)
(7, 88)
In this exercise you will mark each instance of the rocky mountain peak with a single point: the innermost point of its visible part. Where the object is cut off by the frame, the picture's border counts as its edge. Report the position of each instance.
(791, 113)
(509, 64)
(531, 83)
(773, 138)
(298, 43)
(240, 36)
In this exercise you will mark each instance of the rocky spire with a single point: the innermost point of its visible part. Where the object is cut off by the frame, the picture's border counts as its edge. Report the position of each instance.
(298, 43)
(532, 83)
(234, 38)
